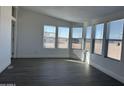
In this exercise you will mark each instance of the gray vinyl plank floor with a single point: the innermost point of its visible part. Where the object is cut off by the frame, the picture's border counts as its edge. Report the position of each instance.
(55, 72)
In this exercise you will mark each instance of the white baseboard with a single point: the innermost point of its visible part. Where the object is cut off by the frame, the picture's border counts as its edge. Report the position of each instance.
(37, 57)
(108, 72)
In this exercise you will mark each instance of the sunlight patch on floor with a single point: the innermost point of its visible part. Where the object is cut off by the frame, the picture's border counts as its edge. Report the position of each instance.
(75, 61)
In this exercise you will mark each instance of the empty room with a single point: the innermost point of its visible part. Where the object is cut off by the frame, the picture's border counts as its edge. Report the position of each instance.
(62, 45)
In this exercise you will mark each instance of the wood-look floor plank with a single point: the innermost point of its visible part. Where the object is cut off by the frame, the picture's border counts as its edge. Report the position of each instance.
(55, 72)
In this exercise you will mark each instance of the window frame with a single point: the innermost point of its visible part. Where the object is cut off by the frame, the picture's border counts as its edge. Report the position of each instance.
(85, 39)
(55, 36)
(99, 39)
(78, 38)
(107, 40)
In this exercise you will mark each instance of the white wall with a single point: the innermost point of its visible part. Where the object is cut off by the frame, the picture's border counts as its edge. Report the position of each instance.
(30, 35)
(5, 37)
(76, 54)
(110, 67)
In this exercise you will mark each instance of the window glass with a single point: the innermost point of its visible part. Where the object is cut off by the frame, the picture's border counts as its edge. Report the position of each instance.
(88, 32)
(87, 44)
(88, 38)
(114, 49)
(77, 33)
(115, 36)
(63, 37)
(49, 36)
(116, 29)
(77, 37)
(99, 31)
(98, 38)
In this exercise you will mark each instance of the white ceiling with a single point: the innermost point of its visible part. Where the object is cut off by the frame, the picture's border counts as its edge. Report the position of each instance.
(76, 13)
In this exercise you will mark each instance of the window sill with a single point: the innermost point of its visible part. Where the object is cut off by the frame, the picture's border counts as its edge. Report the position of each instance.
(113, 59)
(97, 54)
(76, 49)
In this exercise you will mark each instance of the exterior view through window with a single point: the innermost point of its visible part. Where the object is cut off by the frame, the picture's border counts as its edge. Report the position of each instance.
(49, 36)
(77, 37)
(88, 37)
(98, 38)
(115, 37)
(63, 37)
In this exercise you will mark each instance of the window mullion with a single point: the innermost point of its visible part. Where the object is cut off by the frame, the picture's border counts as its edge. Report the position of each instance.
(122, 53)
(105, 41)
(56, 38)
(70, 39)
(93, 39)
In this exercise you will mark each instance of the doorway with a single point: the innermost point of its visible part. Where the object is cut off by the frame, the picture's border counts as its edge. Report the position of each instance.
(12, 37)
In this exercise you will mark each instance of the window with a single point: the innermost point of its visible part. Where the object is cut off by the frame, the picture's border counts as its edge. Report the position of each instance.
(115, 36)
(63, 37)
(88, 38)
(13, 26)
(98, 39)
(77, 37)
(49, 36)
